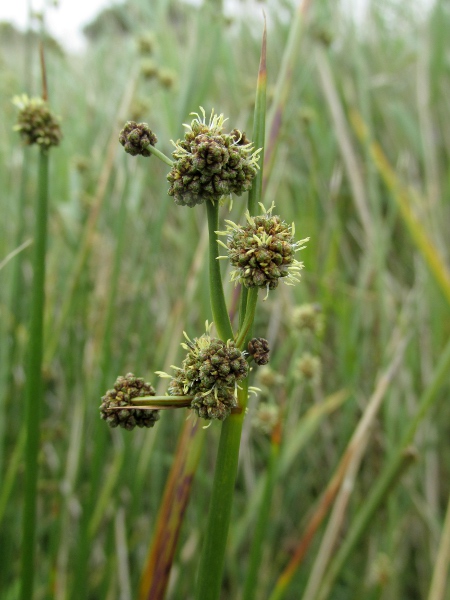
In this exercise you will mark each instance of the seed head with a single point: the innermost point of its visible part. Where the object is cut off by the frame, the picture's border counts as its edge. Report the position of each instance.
(263, 251)
(124, 390)
(259, 349)
(266, 417)
(149, 68)
(209, 164)
(36, 123)
(135, 137)
(308, 317)
(210, 373)
(309, 367)
(167, 78)
(269, 379)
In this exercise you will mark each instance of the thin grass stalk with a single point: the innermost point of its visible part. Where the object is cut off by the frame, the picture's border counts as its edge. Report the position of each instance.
(307, 426)
(259, 534)
(439, 585)
(91, 223)
(34, 383)
(358, 440)
(100, 491)
(401, 195)
(388, 478)
(15, 310)
(349, 154)
(155, 576)
(283, 88)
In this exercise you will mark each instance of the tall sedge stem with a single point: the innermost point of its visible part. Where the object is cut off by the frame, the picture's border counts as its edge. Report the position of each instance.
(218, 305)
(213, 551)
(34, 385)
(252, 298)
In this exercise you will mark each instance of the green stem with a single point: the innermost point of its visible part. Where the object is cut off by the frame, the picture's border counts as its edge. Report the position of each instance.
(213, 551)
(218, 305)
(250, 310)
(161, 401)
(159, 154)
(34, 385)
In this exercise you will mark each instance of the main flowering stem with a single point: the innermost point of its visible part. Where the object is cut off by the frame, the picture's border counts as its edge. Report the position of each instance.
(214, 544)
(34, 386)
(218, 304)
(213, 551)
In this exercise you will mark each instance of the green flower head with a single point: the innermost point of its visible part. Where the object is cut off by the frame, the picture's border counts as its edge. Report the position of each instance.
(263, 251)
(125, 389)
(210, 164)
(210, 373)
(36, 123)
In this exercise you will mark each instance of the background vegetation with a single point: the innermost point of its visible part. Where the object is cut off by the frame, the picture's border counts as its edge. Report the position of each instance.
(126, 274)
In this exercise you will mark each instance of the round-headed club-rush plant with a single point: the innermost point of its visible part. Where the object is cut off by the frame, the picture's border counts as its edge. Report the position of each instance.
(210, 164)
(262, 252)
(37, 125)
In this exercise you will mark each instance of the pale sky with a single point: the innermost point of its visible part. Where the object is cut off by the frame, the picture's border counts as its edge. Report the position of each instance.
(65, 18)
(64, 21)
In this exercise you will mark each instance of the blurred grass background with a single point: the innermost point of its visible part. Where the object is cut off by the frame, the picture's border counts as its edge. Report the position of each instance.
(127, 274)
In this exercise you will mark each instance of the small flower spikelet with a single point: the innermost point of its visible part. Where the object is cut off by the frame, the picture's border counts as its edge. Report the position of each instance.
(210, 373)
(263, 251)
(135, 137)
(36, 123)
(210, 164)
(259, 349)
(125, 389)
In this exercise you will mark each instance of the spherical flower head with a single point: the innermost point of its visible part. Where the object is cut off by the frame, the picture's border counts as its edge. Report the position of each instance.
(210, 164)
(135, 137)
(308, 317)
(125, 389)
(167, 78)
(309, 367)
(266, 417)
(36, 123)
(263, 251)
(210, 373)
(259, 349)
(149, 68)
(269, 379)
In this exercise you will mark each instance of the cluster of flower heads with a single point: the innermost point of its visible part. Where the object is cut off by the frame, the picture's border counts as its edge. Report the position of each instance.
(210, 373)
(36, 123)
(210, 164)
(263, 251)
(125, 389)
(136, 137)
